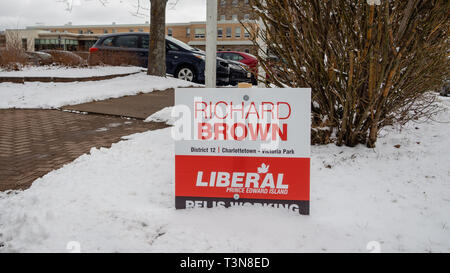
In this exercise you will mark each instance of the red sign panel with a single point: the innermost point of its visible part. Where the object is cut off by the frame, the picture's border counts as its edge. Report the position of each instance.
(235, 180)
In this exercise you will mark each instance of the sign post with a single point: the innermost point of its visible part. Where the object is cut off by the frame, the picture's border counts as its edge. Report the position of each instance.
(262, 50)
(241, 147)
(211, 43)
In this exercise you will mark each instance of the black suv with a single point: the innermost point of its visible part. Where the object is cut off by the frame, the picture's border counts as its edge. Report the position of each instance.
(182, 61)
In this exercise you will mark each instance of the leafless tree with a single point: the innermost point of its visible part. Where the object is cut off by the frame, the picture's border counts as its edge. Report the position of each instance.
(157, 46)
(368, 65)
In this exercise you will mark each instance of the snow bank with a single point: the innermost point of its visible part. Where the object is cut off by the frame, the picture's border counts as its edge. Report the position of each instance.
(122, 199)
(70, 72)
(54, 95)
(164, 115)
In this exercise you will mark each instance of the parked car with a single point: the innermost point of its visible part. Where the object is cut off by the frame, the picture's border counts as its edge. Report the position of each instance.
(239, 72)
(242, 57)
(39, 58)
(182, 61)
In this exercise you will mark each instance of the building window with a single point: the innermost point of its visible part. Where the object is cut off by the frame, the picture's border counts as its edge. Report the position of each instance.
(235, 3)
(188, 32)
(141, 30)
(199, 33)
(113, 30)
(89, 31)
(80, 31)
(237, 32)
(246, 33)
(235, 17)
(228, 32)
(131, 30)
(169, 32)
(246, 2)
(223, 2)
(105, 31)
(246, 16)
(223, 17)
(247, 50)
(219, 32)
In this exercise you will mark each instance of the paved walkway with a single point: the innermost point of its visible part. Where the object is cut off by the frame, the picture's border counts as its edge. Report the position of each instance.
(139, 106)
(35, 142)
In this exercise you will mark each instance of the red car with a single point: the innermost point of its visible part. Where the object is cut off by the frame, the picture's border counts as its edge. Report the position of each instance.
(242, 57)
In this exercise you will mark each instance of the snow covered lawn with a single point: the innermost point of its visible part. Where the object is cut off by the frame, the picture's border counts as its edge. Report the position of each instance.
(54, 95)
(164, 115)
(122, 199)
(70, 72)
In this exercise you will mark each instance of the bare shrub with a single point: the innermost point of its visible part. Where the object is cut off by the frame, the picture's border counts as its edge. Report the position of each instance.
(114, 58)
(66, 58)
(13, 57)
(368, 65)
(82, 54)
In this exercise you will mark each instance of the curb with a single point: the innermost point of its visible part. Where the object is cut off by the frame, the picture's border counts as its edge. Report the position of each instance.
(62, 79)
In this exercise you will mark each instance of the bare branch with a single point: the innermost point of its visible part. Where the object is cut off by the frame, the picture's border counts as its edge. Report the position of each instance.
(368, 65)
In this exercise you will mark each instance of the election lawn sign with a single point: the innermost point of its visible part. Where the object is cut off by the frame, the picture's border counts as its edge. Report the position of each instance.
(242, 147)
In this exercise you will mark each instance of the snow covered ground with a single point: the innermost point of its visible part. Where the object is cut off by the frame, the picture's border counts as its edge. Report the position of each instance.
(54, 95)
(69, 72)
(164, 115)
(122, 199)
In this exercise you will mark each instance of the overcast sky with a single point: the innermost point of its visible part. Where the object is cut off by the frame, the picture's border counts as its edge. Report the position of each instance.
(22, 13)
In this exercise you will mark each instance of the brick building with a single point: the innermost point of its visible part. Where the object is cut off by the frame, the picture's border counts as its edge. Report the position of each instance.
(233, 15)
(237, 10)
